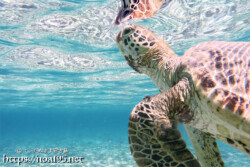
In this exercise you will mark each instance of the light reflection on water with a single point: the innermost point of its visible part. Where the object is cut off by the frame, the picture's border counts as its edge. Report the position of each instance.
(78, 37)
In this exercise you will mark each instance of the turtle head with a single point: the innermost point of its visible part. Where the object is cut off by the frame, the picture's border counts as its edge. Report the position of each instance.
(140, 46)
(137, 9)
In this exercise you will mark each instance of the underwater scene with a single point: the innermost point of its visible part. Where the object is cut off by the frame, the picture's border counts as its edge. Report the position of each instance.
(65, 88)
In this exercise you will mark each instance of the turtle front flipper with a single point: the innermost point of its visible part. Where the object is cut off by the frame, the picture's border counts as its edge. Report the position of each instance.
(205, 147)
(155, 140)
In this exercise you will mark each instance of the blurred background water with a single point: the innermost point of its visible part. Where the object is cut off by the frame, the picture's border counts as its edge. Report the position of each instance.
(64, 83)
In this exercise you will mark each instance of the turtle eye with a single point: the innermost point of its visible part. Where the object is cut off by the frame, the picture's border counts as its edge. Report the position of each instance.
(127, 12)
(136, 1)
(127, 31)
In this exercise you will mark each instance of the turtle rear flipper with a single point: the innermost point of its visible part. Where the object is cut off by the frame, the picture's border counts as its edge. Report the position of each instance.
(205, 147)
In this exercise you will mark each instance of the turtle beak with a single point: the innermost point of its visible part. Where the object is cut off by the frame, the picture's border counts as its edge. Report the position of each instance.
(124, 15)
(119, 37)
(119, 42)
(118, 18)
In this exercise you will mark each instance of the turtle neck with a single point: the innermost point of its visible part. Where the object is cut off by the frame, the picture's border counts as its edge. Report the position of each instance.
(163, 66)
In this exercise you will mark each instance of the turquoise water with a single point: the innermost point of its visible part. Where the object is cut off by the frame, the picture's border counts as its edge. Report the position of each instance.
(64, 84)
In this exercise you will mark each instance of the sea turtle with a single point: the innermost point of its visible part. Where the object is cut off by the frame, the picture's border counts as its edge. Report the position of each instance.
(207, 89)
(138, 9)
